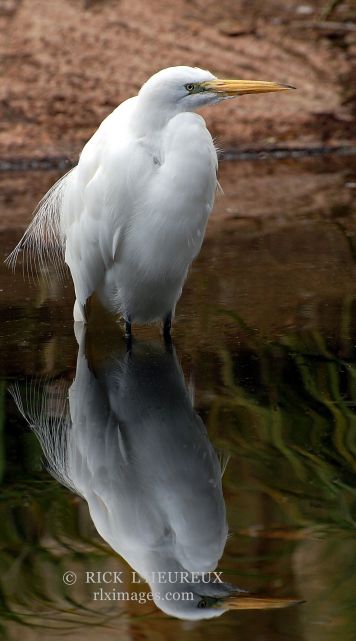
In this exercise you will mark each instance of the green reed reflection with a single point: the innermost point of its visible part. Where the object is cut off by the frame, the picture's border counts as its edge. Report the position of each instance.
(298, 425)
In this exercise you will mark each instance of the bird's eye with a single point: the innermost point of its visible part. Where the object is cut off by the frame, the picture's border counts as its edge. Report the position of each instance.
(190, 86)
(202, 604)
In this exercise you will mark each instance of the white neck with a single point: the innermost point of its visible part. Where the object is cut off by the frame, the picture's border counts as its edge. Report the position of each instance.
(149, 119)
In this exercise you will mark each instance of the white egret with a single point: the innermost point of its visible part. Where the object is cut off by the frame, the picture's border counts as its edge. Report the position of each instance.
(130, 218)
(130, 443)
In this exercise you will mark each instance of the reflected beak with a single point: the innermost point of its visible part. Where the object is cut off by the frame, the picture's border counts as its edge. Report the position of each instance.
(241, 87)
(242, 602)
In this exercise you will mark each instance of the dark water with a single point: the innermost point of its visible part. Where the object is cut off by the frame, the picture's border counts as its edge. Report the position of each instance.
(262, 426)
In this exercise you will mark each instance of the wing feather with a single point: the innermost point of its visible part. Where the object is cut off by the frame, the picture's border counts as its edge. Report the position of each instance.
(98, 203)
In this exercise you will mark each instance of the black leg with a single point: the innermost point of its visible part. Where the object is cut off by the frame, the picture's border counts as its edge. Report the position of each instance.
(167, 332)
(128, 335)
(167, 325)
(127, 329)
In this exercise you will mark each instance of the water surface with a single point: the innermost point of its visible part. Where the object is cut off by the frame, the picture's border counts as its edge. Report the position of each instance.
(265, 335)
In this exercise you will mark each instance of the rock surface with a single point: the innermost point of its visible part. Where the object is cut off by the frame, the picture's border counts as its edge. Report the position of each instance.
(65, 65)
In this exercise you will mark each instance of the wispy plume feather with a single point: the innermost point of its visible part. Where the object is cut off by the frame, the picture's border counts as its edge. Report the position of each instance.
(43, 241)
(45, 407)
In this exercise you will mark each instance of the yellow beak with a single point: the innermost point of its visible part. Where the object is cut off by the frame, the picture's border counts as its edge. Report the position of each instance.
(240, 87)
(241, 602)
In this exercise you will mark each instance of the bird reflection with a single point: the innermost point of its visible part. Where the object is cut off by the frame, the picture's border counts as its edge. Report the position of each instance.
(129, 441)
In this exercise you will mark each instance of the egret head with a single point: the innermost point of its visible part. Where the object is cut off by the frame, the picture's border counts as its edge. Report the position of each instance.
(188, 88)
(195, 601)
